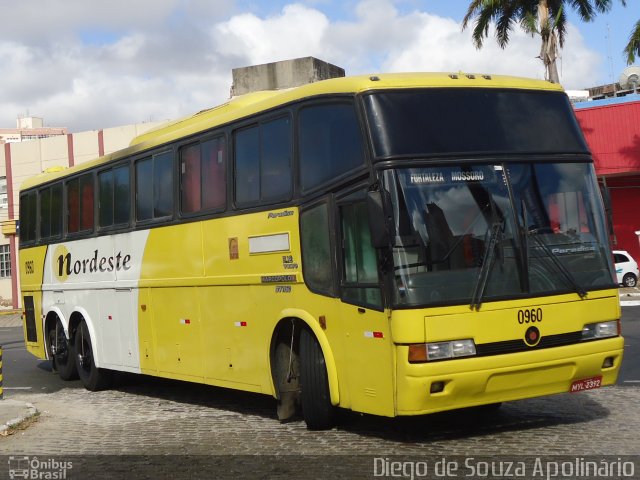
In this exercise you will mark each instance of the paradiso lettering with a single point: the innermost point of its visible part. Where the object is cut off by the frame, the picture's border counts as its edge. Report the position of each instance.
(65, 265)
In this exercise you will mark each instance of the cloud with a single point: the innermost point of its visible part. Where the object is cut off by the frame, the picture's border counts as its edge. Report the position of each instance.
(379, 39)
(85, 65)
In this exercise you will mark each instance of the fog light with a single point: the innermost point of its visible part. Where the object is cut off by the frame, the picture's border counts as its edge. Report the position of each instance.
(608, 362)
(437, 387)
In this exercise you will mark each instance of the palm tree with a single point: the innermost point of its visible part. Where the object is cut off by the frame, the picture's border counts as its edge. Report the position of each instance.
(546, 18)
(633, 47)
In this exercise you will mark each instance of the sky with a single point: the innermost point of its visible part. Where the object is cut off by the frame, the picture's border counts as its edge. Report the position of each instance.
(91, 64)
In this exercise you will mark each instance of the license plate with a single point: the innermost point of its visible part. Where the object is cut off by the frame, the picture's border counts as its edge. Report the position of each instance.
(586, 384)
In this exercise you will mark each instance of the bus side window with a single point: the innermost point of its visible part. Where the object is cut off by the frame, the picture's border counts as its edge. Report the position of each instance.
(162, 185)
(190, 177)
(247, 166)
(86, 202)
(263, 162)
(45, 212)
(114, 196)
(56, 210)
(330, 143)
(28, 208)
(51, 211)
(317, 264)
(144, 190)
(73, 206)
(154, 187)
(360, 275)
(214, 179)
(203, 182)
(80, 204)
(275, 175)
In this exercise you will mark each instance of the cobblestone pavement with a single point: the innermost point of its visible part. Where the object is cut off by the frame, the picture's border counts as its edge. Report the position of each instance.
(151, 416)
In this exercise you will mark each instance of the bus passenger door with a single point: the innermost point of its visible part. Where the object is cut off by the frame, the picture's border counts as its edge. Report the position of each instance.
(368, 342)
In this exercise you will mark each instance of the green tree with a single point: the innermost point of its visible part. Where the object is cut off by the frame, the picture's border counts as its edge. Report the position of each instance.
(633, 47)
(546, 18)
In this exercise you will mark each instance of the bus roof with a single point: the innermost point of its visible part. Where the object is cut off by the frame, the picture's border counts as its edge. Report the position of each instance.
(252, 103)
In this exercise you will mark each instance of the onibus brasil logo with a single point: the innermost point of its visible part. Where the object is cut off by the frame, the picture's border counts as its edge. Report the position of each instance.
(66, 265)
(36, 468)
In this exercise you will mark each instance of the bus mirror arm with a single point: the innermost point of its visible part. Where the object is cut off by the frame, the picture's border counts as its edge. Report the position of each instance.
(378, 222)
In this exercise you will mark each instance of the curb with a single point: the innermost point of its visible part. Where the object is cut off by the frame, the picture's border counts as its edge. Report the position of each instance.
(31, 412)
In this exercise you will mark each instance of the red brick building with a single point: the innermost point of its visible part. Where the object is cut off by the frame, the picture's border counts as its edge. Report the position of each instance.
(612, 130)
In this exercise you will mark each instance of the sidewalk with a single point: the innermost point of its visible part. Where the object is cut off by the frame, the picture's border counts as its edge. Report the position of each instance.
(13, 412)
(10, 318)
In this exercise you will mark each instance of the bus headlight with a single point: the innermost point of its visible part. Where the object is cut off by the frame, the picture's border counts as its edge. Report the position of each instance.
(429, 352)
(600, 330)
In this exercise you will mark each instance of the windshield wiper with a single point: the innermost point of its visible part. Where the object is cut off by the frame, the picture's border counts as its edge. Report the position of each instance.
(559, 265)
(488, 257)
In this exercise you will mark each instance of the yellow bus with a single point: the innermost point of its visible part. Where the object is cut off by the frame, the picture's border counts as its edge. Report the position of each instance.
(397, 244)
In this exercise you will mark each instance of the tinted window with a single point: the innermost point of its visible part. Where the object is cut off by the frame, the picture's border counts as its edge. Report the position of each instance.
(316, 249)
(115, 201)
(202, 176)
(105, 196)
(483, 120)
(360, 275)
(619, 258)
(28, 206)
(51, 212)
(144, 189)
(214, 179)
(154, 187)
(275, 177)
(247, 172)
(162, 185)
(56, 210)
(330, 143)
(263, 162)
(45, 213)
(80, 204)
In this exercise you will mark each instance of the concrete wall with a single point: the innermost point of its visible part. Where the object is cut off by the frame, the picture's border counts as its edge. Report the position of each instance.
(280, 75)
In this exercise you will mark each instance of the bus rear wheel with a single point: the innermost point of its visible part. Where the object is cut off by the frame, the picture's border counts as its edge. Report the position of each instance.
(92, 377)
(317, 410)
(61, 353)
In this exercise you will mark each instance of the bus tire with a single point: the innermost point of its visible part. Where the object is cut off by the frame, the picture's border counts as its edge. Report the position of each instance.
(317, 411)
(63, 360)
(92, 377)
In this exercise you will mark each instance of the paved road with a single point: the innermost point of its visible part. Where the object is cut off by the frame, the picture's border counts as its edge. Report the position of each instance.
(147, 416)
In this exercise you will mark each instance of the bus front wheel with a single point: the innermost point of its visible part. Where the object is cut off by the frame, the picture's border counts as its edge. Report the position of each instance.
(317, 410)
(92, 377)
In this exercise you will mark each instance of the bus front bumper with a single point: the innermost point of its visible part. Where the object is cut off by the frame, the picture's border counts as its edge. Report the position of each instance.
(433, 387)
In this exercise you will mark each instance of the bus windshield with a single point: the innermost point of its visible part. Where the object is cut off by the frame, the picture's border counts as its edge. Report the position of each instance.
(494, 231)
(453, 121)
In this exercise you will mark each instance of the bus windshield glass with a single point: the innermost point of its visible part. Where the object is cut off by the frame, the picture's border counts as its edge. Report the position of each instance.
(464, 120)
(496, 231)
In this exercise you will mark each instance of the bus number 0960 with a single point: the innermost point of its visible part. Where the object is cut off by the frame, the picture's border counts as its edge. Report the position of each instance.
(529, 315)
